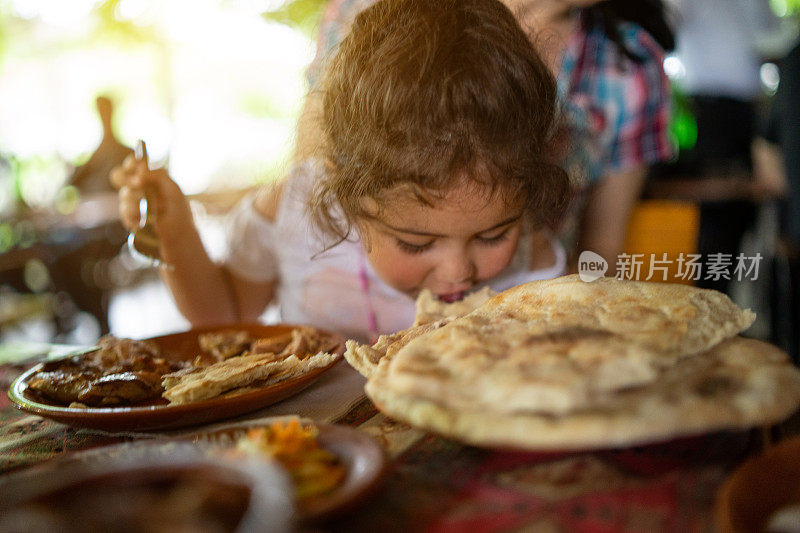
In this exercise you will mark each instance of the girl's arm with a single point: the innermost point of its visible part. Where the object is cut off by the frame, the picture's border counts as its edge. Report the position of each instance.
(204, 291)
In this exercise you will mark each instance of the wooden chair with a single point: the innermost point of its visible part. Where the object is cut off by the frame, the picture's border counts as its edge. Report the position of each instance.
(659, 227)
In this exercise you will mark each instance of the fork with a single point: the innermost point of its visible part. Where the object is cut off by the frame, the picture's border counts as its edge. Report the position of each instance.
(144, 243)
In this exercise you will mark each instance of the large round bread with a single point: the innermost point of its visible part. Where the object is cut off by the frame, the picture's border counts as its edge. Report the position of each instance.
(551, 346)
(509, 366)
(738, 384)
(565, 364)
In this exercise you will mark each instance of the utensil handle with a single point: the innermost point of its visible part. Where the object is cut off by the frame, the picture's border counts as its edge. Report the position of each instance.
(140, 153)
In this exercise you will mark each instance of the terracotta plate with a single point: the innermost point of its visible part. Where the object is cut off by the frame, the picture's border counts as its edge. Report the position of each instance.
(161, 415)
(360, 454)
(760, 489)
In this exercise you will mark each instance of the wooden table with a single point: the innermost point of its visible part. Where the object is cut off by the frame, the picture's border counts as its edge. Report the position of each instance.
(440, 485)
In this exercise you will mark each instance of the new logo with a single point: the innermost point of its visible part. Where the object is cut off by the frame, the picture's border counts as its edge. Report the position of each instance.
(591, 266)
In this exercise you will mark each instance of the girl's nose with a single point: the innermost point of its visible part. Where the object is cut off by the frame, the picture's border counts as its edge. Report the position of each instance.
(456, 267)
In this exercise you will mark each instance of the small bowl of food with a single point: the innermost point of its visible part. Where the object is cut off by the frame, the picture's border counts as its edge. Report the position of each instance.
(331, 468)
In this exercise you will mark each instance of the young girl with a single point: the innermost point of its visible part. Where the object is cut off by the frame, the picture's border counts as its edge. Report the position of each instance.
(435, 175)
(607, 57)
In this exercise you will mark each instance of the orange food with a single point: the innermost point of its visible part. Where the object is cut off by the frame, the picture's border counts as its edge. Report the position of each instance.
(314, 470)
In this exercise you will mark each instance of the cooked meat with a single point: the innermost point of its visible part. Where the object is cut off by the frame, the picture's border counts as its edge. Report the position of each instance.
(225, 344)
(61, 386)
(307, 341)
(272, 344)
(203, 359)
(121, 371)
(301, 341)
(125, 371)
(299, 345)
(127, 352)
(122, 388)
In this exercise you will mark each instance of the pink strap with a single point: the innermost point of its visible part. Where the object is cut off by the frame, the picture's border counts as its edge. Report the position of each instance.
(372, 320)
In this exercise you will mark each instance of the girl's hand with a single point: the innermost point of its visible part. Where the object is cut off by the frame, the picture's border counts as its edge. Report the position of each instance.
(171, 213)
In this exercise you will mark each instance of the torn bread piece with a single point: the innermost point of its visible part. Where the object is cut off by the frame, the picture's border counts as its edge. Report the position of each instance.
(321, 359)
(242, 371)
(366, 358)
(431, 314)
(431, 309)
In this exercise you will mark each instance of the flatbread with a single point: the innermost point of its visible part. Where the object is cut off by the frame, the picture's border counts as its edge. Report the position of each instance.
(675, 320)
(212, 381)
(738, 384)
(565, 364)
(318, 360)
(550, 346)
(506, 366)
(670, 318)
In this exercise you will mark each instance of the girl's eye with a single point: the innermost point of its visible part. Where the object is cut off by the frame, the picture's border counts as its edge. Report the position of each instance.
(494, 239)
(409, 248)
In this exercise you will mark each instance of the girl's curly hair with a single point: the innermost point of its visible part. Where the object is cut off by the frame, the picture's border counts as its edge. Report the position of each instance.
(422, 93)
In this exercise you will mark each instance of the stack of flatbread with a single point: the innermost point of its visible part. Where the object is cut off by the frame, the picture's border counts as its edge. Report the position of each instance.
(564, 364)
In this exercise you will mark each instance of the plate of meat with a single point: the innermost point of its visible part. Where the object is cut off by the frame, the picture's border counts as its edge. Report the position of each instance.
(176, 380)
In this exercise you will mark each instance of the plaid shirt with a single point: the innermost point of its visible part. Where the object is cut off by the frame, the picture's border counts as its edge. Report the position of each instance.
(617, 110)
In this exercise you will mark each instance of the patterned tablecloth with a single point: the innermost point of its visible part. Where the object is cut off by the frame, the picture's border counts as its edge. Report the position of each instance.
(437, 484)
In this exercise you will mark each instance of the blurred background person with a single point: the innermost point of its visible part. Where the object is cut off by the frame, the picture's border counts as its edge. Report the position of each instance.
(717, 46)
(777, 161)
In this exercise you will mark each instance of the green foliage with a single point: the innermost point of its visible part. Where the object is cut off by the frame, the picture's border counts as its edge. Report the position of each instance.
(300, 14)
(785, 7)
(37, 178)
(109, 27)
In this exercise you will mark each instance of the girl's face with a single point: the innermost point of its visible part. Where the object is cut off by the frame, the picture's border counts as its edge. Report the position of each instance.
(466, 237)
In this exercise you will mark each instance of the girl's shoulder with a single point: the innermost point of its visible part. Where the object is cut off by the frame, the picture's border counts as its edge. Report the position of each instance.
(274, 201)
